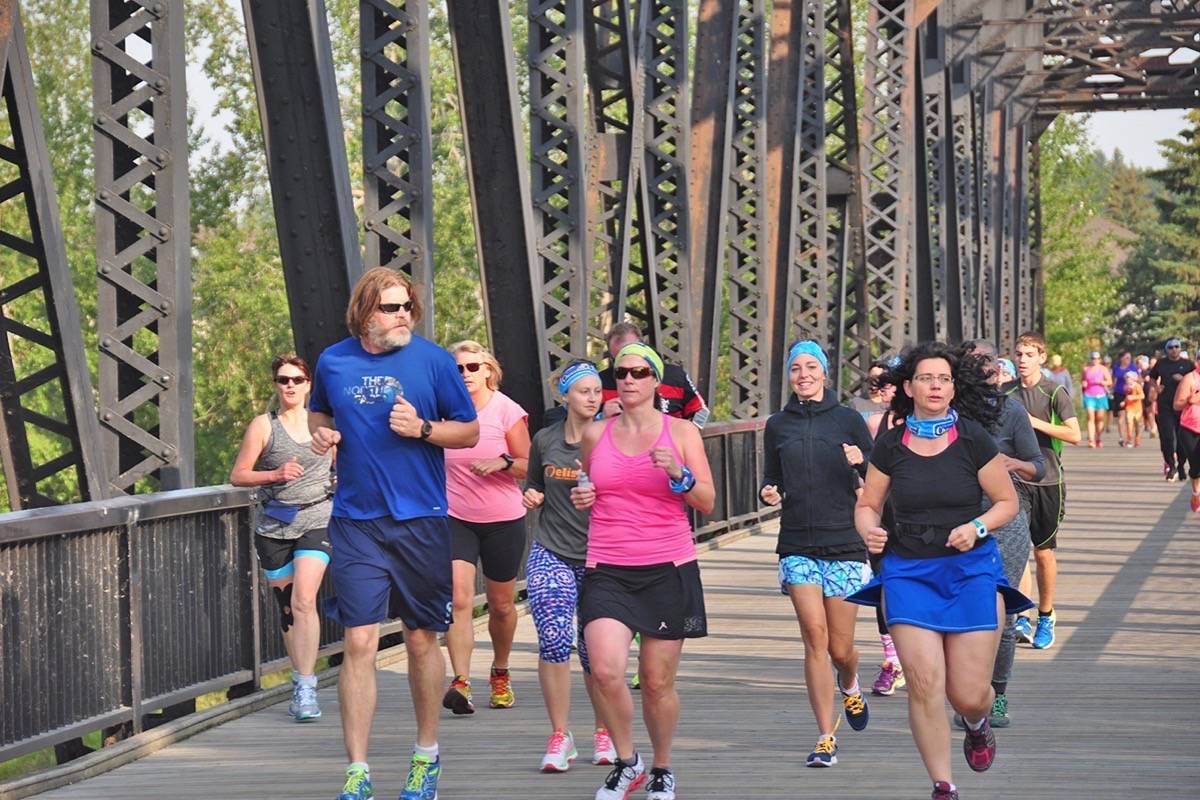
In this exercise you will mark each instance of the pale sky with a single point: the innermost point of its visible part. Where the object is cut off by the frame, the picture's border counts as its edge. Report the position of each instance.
(1136, 134)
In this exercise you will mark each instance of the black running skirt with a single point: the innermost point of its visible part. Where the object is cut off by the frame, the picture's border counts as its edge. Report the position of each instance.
(662, 601)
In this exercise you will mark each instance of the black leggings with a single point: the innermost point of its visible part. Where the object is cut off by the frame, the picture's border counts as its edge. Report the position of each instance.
(1169, 439)
(1189, 448)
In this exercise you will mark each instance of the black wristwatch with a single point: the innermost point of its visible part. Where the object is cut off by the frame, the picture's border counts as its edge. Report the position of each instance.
(508, 461)
(426, 429)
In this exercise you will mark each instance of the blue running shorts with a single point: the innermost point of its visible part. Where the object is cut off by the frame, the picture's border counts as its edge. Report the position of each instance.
(384, 569)
(836, 578)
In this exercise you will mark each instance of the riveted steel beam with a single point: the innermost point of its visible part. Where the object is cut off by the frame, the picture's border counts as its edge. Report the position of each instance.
(45, 390)
(500, 198)
(306, 158)
(397, 147)
(143, 236)
(558, 187)
(663, 58)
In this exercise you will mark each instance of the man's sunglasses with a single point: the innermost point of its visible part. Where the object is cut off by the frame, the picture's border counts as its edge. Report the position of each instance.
(637, 372)
(393, 308)
(472, 367)
(296, 380)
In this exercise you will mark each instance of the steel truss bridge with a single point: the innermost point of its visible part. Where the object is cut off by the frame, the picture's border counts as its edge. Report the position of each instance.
(864, 186)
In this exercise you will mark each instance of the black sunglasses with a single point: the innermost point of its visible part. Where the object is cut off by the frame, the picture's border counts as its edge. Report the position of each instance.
(472, 367)
(296, 380)
(637, 372)
(392, 308)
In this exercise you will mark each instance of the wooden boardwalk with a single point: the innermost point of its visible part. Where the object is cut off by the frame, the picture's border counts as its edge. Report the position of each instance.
(1111, 711)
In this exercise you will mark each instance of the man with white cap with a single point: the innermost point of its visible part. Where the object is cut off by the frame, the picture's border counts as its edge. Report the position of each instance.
(1167, 373)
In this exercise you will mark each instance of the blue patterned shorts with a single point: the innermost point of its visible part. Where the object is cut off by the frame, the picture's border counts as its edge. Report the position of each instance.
(553, 587)
(836, 578)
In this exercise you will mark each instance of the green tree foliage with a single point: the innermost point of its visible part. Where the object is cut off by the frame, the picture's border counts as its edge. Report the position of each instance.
(1178, 259)
(1081, 295)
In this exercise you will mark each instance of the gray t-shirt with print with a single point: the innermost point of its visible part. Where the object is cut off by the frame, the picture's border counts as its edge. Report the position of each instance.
(560, 527)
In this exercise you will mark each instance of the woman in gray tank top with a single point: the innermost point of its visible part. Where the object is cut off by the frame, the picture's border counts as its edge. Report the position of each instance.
(295, 486)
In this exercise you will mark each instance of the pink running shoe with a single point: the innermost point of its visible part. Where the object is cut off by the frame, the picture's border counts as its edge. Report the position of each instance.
(980, 747)
(890, 678)
(603, 749)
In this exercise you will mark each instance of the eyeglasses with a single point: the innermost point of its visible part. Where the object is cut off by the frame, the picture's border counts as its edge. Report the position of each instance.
(927, 379)
(394, 308)
(473, 367)
(638, 373)
(295, 380)
(1174, 346)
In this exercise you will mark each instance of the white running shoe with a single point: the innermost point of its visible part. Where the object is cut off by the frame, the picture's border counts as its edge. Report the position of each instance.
(623, 780)
(603, 750)
(560, 752)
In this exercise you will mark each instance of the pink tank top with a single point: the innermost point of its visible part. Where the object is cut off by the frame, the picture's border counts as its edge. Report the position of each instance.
(636, 520)
(1093, 381)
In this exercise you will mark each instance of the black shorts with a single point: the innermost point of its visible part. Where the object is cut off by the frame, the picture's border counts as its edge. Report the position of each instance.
(499, 545)
(275, 556)
(1047, 504)
(662, 601)
(1116, 403)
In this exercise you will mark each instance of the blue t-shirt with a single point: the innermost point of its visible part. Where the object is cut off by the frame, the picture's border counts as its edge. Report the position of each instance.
(1119, 377)
(380, 473)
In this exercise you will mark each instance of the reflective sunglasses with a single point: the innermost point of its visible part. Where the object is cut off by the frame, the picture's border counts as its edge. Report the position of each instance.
(472, 367)
(394, 308)
(295, 380)
(638, 373)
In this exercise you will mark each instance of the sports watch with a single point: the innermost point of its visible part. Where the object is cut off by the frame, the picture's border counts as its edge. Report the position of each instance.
(508, 461)
(426, 429)
(981, 530)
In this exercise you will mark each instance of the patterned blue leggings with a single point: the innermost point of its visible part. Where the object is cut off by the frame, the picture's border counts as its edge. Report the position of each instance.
(553, 587)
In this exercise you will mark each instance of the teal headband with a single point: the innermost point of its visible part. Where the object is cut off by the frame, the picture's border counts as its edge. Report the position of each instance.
(808, 348)
(642, 351)
(573, 372)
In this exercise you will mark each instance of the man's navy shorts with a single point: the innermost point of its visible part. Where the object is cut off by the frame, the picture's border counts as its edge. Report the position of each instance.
(383, 569)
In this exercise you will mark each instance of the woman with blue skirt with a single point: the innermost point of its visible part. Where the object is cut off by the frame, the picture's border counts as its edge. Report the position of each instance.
(942, 586)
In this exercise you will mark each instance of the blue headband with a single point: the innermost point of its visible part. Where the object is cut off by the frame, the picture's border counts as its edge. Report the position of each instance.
(808, 348)
(1007, 366)
(580, 369)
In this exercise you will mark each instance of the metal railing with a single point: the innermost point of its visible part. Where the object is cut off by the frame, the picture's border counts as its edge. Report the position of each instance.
(114, 609)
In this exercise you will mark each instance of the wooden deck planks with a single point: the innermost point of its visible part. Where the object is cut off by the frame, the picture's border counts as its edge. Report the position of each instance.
(1110, 712)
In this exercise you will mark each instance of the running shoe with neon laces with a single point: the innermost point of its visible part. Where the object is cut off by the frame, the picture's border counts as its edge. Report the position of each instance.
(1043, 637)
(890, 678)
(358, 785)
(980, 747)
(458, 696)
(502, 694)
(661, 785)
(999, 716)
(422, 782)
(303, 707)
(1024, 629)
(857, 713)
(604, 752)
(560, 752)
(824, 754)
(944, 791)
(623, 780)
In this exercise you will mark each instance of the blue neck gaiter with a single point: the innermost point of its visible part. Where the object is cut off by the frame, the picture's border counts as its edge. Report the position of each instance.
(930, 428)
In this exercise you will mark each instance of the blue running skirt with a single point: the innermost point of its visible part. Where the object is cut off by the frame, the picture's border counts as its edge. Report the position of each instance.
(951, 594)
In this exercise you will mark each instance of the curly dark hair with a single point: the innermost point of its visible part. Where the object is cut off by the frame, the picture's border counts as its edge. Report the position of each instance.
(974, 396)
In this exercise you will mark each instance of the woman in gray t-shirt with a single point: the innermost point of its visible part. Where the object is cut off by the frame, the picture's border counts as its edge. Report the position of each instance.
(295, 486)
(554, 571)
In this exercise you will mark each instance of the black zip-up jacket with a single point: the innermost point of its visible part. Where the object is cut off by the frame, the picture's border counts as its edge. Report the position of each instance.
(802, 447)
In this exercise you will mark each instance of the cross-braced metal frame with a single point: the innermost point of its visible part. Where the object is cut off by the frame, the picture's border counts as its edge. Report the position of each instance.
(728, 214)
(143, 240)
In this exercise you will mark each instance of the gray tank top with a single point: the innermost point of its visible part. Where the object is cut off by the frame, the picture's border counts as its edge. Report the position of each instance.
(314, 487)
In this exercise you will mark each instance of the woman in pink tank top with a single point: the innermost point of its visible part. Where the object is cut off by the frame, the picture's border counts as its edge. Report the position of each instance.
(646, 469)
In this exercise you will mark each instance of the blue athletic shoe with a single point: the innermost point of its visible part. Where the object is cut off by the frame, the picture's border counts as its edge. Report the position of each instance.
(422, 778)
(1043, 637)
(824, 754)
(358, 785)
(1024, 629)
(303, 707)
(856, 710)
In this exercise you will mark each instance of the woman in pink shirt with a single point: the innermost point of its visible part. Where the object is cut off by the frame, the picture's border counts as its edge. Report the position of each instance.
(487, 524)
(646, 469)
(1097, 380)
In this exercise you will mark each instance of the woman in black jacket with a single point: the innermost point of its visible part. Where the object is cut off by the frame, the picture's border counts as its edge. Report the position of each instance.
(816, 451)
